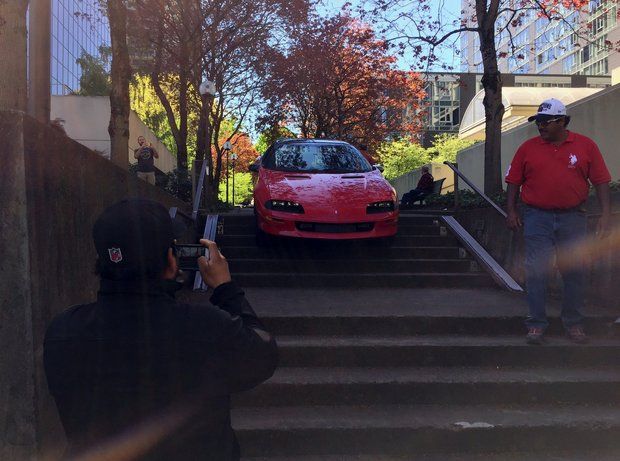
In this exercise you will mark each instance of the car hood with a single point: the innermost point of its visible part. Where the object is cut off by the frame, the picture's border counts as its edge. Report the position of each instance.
(338, 194)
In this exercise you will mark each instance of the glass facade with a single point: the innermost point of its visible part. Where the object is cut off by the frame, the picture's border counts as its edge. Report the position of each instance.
(577, 44)
(77, 25)
(443, 104)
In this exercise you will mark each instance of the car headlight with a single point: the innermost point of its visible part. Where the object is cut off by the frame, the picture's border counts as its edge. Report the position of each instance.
(380, 207)
(284, 205)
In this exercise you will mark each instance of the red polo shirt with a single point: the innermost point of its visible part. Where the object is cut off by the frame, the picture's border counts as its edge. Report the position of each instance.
(557, 176)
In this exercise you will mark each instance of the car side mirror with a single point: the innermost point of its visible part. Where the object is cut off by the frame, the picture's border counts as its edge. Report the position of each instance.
(254, 167)
(379, 167)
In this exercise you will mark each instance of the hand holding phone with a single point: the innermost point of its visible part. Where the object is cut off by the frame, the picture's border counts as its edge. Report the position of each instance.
(214, 270)
(188, 254)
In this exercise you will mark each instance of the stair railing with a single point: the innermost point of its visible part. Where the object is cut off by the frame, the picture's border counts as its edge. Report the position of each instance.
(199, 189)
(454, 167)
(499, 274)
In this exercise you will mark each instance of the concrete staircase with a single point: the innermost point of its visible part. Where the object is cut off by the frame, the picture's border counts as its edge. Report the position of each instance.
(407, 373)
(422, 254)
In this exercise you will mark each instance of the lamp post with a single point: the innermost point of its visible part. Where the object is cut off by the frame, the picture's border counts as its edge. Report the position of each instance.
(206, 89)
(233, 157)
(227, 147)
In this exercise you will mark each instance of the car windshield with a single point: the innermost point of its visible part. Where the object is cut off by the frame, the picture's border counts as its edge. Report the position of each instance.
(317, 158)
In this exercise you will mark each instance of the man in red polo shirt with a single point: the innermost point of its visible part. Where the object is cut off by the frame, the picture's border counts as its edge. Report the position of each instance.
(554, 172)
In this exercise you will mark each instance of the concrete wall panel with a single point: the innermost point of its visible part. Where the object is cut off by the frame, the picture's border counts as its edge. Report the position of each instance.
(17, 391)
(49, 263)
(86, 120)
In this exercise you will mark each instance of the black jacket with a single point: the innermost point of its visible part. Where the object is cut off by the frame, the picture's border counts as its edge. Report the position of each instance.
(138, 371)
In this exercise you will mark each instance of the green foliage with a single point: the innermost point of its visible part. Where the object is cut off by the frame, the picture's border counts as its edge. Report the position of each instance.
(446, 146)
(268, 137)
(95, 79)
(146, 104)
(243, 188)
(401, 156)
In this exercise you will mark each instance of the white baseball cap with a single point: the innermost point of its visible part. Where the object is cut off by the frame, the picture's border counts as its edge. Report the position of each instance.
(549, 107)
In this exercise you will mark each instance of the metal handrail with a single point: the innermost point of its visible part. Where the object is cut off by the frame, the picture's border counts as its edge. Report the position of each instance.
(475, 188)
(199, 188)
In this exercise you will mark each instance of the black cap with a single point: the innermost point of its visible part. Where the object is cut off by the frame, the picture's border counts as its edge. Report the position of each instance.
(132, 238)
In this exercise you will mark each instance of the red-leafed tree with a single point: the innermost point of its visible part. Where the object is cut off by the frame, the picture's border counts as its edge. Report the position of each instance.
(338, 80)
(419, 26)
(242, 147)
(225, 42)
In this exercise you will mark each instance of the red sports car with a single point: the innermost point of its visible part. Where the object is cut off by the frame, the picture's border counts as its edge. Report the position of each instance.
(322, 189)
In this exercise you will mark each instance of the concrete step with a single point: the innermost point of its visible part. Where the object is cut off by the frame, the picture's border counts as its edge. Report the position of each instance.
(431, 385)
(443, 351)
(364, 251)
(408, 324)
(545, 455)
(365, 280)
(229, 240)
(406, 430)
(344, 266)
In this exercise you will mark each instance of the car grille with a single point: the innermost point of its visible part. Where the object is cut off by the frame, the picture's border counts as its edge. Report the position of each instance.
(334, 228)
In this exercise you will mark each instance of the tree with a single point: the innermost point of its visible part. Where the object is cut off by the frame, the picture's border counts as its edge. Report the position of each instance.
(243, 148)
(146, 104)
(13, 46)
(270, 135)
(446, 146)
(338, 80)
(95, 79)
(402, 156)
(413, 24)
(120, 78)
(244, 188)
(225, 42)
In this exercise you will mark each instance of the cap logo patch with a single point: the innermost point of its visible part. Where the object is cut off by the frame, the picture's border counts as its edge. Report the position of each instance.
(115, 255)
(545, 106)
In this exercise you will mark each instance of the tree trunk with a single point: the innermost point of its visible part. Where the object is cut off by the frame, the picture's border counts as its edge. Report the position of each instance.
(39, 94)
(183, 130)
(120, 76)
(13, 55)
(178, 133)
(493, 107)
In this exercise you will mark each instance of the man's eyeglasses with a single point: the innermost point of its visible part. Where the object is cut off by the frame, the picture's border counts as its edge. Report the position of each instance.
(544, 123)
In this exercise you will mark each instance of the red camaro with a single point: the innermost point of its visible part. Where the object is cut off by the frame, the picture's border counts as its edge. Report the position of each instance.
(322, 189)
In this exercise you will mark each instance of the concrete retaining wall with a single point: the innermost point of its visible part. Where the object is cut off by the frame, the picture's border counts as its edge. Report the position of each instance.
(86, 120)
(52, 190)
(595, 117)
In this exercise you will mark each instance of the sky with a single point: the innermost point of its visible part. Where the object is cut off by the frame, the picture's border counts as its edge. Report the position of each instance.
(450, 11)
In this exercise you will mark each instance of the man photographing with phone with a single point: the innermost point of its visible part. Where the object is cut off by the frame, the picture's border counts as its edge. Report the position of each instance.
(137, 375)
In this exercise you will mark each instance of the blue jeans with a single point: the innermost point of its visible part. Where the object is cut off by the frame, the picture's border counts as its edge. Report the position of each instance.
(545, 233)
(414, 195)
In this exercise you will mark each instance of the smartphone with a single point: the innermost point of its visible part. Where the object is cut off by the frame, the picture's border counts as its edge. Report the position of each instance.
(188, 254)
